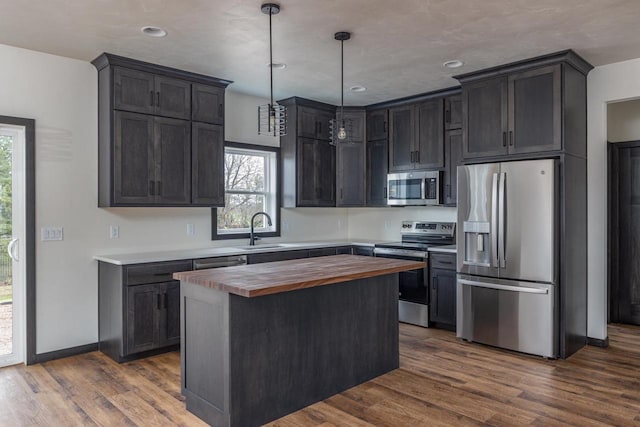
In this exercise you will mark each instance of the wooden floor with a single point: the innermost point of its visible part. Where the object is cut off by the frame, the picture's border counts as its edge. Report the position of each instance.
(442, 381)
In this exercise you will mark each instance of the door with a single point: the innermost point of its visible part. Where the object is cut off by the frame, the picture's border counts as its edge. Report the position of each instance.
(142, 318)
(377, 125)
(412, 284)
(207, 160)
(535, 103)
(443, 297)
(172, 161)
(478, 219)
(526, 216)
(485, 118)
(626, 307)
(402, 134)
(134, 91)
(133, 166)
(170, 316)
(453, 155)
(12, 243)
(207, 104)
(350, 167)
(429, 149)
(377, 154)
(173, 98)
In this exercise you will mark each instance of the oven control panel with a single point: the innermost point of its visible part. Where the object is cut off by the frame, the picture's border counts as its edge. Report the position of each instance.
(429, 228)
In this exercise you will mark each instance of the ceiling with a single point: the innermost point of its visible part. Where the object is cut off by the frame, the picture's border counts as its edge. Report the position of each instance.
(397, 48)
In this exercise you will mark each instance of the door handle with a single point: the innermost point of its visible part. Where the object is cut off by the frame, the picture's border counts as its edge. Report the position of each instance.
(417, 156)
(385, 192)
(511, 137)
(220, 110)
(158, 98)
(11, 249)
(500, 287)
(501, 220)
(494, 221)
(413, 156)
(504, 139)
(384, 126)
(434, 281)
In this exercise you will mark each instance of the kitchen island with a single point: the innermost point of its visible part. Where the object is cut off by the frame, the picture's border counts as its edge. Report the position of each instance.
(261, 341)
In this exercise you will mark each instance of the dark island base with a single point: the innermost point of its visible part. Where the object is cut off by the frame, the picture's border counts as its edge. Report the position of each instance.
(248, 361)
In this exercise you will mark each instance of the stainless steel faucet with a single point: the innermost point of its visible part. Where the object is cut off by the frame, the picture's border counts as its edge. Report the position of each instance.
(252, 238)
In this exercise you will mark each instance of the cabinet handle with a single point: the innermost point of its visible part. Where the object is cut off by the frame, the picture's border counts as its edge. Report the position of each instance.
(385, 192)
(510, 137)
(151, 98)
(417, 156)
(448, 116)
(159, 301)
(434, 281)
(384, 126)
(220, 110)
(320, 127)
(504, 139)
(412, 156)
(158, 188)
(152, 188)
(158, 98)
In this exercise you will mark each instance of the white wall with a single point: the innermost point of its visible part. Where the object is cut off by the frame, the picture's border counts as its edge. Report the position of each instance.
(606, 84)
(623, 121)
(384, 223)
(61, 95)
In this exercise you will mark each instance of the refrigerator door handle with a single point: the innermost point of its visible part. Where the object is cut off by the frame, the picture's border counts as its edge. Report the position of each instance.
(494, 221)
(501, 220)
(503, 287)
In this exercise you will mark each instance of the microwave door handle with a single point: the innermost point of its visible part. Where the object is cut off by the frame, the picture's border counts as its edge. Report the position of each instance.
(494, 221)
(502, 220)
(423, 188)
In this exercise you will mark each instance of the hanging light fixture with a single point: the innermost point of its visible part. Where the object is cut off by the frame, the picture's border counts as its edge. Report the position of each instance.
(341, 127)
(272, 118)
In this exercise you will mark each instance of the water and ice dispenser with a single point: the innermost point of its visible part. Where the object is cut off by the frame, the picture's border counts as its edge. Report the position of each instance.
(477, 248)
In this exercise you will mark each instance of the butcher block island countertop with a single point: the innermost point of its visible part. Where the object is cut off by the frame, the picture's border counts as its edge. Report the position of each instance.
(283, 276)
(260, 341)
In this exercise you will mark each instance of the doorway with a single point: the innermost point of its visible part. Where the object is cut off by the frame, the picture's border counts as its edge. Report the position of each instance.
(17, 232)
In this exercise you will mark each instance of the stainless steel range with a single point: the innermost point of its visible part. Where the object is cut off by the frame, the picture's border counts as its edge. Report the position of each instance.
(417, 237)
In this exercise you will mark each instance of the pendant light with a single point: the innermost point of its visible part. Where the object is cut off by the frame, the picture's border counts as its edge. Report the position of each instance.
(272, 118)
(341, 127)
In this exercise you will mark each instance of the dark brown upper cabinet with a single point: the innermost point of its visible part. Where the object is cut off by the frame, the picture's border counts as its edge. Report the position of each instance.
(160, 135)
(143, 92)
(308, 159)
(453, 112)
(527, 107)
(377, 127)
(376, 169)
(453, 156)
(314, 123)
(351, 162)
(416, 140)
(207, 104)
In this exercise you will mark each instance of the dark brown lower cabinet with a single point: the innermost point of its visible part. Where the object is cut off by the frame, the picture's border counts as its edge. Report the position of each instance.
(442, 291)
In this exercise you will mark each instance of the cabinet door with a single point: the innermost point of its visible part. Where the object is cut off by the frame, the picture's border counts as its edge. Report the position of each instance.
(377, 125)
(173, 98)
(321, 252)
(142, 316)
(173, 161)
(133, 159)
(133, 91)
(306, 173)
(325, 171)
(377, 152)
(276, 256)
(453, 112)
(207, 162)
(207, 104)
(429, 148)
(350, 174)
(170, 314)
(485, 118)
(324, 121)
(356, 128)
(443, 297)
(402, 132)
(535, 103)
(307, 122)
(453, 154)
(363, 250)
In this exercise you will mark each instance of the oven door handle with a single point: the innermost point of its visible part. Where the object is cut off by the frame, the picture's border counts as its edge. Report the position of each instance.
(400, 252)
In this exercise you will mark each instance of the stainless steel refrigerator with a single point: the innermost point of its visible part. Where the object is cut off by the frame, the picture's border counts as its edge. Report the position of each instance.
(507, 256)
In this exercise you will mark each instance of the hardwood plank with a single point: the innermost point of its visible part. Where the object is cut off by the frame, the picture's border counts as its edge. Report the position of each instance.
(442, 381)
(283, 276)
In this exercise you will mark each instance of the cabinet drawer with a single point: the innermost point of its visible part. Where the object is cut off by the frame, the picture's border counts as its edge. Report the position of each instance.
(322, 252)
(443, 261)
(154, 272)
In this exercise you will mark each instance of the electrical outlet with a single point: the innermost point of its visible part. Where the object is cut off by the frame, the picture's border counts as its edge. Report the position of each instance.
(191, 229)
(48, 234)
(114, 232)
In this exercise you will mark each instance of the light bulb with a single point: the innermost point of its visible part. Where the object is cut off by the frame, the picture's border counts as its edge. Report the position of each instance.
(272, 120)
(342, 133)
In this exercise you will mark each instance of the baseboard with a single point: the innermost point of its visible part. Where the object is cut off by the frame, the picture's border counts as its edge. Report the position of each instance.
(65, 352)
(596, 342)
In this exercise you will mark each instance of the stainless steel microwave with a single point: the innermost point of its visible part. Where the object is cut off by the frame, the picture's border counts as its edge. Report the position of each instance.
(414, 188)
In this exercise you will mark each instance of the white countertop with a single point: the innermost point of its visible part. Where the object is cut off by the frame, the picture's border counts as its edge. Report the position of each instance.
(240, 249)
(449, 249)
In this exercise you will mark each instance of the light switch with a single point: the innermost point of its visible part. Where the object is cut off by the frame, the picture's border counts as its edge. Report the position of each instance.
(114, 232)
(48, 234)
(191, 229)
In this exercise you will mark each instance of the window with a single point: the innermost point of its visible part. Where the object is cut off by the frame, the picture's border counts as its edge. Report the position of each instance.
(251, 186)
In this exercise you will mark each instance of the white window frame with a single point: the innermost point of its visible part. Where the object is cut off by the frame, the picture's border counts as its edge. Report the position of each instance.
(270, 192)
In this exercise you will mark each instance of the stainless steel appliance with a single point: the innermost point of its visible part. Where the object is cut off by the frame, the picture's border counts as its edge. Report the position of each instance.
(414, 188)
(507, 252)
(417, 237)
